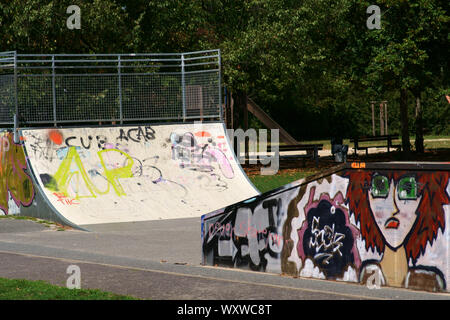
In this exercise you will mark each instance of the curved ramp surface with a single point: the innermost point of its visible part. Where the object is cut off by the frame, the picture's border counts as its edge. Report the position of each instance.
(135, 173)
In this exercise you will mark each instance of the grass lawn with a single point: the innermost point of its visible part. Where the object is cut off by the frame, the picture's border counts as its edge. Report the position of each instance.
(266, 183)
(18, 289)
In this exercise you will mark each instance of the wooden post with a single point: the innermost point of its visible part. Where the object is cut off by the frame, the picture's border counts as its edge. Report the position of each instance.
(373, 117)
(246, 144)
(419, 126)
(381, 118)
(385, 118)
(231, 103)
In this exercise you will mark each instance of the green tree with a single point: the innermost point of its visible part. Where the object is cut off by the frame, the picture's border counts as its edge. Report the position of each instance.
(39, 26)
(405, 53)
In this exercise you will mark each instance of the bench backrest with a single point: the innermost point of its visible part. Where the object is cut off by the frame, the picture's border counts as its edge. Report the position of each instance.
(294, 147)
(376, 138)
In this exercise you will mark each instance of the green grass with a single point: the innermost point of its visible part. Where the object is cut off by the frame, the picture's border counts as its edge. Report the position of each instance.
(267, 183)
(437, 144)
(19, 289)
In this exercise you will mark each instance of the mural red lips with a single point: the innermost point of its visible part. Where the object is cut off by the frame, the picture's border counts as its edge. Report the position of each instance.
(392, 223)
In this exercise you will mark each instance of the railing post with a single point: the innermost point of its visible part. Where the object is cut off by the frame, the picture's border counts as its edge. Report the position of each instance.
(220, 87)
(16, 100)
(53, 90)
(120, 90)
(183, 88)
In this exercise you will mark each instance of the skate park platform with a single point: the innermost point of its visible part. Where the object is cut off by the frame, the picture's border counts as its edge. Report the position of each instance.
(141, 188)
(209, 214)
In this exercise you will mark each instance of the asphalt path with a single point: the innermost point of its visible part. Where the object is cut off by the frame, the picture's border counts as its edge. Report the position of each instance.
(158, 260)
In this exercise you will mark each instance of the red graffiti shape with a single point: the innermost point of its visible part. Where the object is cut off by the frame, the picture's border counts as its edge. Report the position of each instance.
(55, 136)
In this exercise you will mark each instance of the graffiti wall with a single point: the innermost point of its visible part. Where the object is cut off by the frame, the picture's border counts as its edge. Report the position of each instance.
(375, 226)
(135, 173)
(16, 187)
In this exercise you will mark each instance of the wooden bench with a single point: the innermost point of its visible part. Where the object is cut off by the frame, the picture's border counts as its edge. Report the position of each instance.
(312, 150)
(386, 138)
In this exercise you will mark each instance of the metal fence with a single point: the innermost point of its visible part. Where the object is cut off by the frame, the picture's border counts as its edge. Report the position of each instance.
(71, 88)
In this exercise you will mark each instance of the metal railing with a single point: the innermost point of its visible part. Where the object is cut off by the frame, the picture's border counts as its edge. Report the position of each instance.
(63, 89)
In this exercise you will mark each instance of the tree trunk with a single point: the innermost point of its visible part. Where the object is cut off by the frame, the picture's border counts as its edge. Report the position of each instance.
(240, 118)
(404, 120)
(237, 108)
(419, 127)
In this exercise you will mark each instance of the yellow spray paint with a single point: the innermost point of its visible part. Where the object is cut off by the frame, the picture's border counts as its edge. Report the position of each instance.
(13, 178)
(113, 175)
(65, 175)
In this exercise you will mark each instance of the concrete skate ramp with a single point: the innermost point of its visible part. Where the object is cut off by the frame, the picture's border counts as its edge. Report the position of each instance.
(375, 224)
(95, 175)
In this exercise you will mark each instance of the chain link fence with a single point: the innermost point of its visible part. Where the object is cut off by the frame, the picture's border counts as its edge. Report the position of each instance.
(62, 89)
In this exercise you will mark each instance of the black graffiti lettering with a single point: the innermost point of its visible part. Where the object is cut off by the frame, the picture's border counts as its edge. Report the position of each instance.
(41, 148)
(122, 135)
(149, 133)
(69, 139)
(86, 144)
(101, 140)
(137, 134)
(255, 238)
(82, 142)
(270, 204)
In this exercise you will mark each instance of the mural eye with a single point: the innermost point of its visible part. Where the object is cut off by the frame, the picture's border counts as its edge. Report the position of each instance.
(380, 187)
(407, 188)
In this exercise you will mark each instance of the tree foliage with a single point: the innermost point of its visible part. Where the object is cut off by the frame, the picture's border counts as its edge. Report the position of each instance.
(312, 64)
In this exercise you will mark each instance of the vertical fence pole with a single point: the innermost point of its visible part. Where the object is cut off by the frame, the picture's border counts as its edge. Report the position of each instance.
(120, 90)
(16, 100)
(183, 88)
(220, 86)
(16, 103)
(54, 90)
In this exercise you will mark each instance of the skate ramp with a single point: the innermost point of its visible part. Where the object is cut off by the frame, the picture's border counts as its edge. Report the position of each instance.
(93, 175)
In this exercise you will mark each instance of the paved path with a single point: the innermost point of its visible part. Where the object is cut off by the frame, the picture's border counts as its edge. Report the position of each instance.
(157, 260)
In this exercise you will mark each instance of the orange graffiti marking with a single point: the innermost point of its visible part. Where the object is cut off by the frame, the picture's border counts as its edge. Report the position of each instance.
(55, 136)
(202, 134)
(357, 165)
(65, 200)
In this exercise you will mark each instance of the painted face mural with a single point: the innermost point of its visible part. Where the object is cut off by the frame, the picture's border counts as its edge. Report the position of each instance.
(400, 215)
(394, 205)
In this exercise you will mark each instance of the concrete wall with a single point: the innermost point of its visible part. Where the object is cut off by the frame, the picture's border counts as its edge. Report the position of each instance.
(383, 224)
